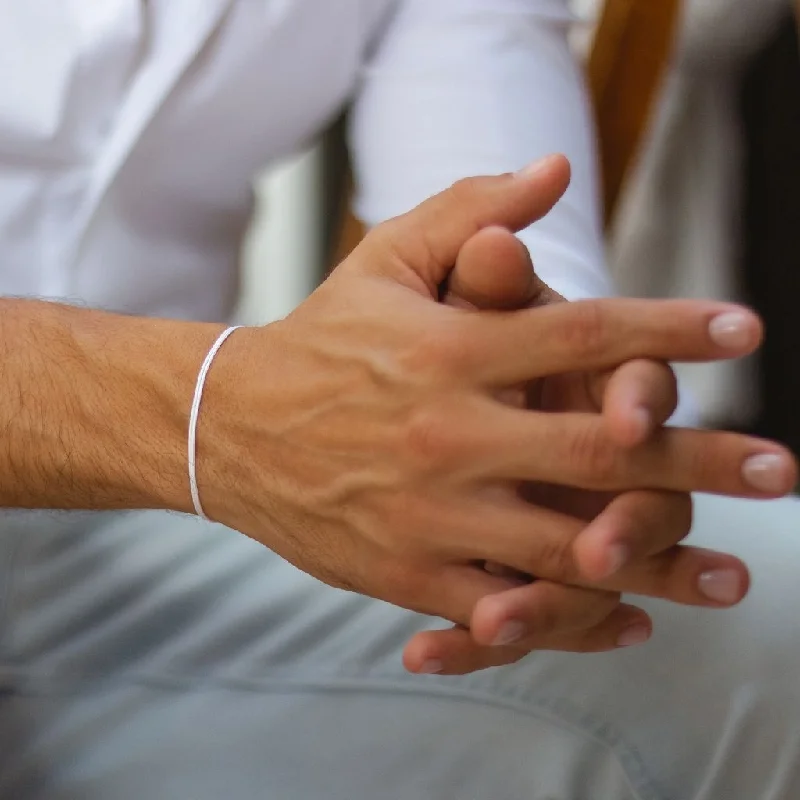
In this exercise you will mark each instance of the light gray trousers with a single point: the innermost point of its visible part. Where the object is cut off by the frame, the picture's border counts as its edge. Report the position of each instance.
(149, 655)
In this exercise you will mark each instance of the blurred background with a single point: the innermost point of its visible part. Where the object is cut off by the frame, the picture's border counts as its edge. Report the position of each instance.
(708, 208)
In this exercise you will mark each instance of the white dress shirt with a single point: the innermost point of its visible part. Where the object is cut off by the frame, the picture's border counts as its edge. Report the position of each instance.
(130, 131)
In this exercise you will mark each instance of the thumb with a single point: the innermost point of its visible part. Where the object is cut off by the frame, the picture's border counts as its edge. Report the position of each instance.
(494, 271)
(428, 239)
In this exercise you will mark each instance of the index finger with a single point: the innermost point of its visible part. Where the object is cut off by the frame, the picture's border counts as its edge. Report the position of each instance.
(510, 348)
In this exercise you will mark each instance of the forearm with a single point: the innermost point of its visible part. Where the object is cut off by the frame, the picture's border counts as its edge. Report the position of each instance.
(94, 407)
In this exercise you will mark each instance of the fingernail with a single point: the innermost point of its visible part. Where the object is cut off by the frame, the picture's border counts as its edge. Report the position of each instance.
(535, 168)
(766, 472)
(636, 634)
(731, 330)
(510, 632)
(721, 585)
(431, 667)
(618, 557)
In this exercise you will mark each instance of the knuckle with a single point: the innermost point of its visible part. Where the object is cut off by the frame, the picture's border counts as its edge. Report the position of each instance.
(441, 353)
(707, 467)
(382, 240)
(556, 561)
(466, 191)
(450, 345)
(430, 439)
(587, 330)
(594, 457)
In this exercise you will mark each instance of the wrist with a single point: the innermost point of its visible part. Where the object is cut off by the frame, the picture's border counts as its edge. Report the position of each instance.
(236, 427)
(96, 407)
(151, 369)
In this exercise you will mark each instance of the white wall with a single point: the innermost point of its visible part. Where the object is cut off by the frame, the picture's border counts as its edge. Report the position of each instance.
(284, 248)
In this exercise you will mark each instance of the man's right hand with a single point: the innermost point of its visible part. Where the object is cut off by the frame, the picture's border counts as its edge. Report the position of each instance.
(366, 440)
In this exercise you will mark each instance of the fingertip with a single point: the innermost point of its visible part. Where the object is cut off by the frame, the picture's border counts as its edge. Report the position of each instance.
(554, 162)
(628, 426)
(598, 557)
(453, 651)
(626, 626)
(639, 423)
(549, 178)
(413, 656)
(726, 583)
(637, 398)
(488, 619)
(493, 270)
(772, 474)
(738, 330)
(747, 580)
(420, 658)
(637, 628)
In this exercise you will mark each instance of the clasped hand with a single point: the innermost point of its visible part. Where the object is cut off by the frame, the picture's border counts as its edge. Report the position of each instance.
(498, 459)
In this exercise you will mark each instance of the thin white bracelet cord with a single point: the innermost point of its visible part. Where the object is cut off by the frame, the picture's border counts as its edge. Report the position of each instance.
(195, 413)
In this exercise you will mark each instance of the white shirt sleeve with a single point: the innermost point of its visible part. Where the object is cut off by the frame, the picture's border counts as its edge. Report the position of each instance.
(467, 87)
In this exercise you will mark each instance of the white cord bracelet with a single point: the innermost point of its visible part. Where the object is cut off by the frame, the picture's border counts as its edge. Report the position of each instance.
(195, 413)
